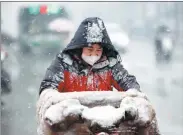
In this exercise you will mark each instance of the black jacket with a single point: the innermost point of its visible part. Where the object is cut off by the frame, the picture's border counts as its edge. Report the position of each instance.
(91, 30)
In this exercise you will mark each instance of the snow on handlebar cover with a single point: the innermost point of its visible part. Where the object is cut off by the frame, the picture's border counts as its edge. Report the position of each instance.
(54, 107)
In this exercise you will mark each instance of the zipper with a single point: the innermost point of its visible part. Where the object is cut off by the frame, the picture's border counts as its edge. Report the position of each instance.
(88, 74)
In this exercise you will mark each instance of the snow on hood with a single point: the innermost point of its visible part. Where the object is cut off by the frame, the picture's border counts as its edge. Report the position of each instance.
(91, 30)
(95, 31)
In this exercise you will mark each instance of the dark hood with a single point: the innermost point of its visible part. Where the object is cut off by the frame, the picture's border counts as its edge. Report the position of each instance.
(92, 30)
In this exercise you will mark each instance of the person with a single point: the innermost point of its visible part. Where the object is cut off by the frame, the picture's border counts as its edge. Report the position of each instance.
(89, 62)
(164, 44)
(6, 87)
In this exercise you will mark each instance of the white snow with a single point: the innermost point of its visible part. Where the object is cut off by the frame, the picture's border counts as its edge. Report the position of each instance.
(3, 55)
(32, 90)
(58, 24)
(58, 112)
(112, 61)
(100, 23)
(145, 110)
(106, 116)
(56, 106)
(66, 58)
(94, 32)
(135, 93)
(168, 44)
(101, 64)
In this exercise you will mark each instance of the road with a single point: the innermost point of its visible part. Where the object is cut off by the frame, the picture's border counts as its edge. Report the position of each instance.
(162, 84)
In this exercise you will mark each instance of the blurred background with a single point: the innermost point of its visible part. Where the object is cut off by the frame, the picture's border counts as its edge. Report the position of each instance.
(148, 36)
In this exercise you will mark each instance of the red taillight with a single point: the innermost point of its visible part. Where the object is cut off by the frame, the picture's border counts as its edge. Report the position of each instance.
(43, 9)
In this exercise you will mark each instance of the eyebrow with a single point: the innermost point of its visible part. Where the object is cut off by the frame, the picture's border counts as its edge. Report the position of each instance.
(92, 47)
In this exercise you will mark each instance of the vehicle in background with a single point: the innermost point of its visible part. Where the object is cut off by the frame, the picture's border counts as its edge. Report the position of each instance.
(43, 28)
(6, 87)
(11, 47)
(6, 38)
(119, 38)
(164, 44)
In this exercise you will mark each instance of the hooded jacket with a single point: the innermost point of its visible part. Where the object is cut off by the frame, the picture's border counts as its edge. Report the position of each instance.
(68, 72)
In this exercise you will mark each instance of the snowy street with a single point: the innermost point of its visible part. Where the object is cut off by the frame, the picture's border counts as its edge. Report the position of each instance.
(164, 88)
(163, 83)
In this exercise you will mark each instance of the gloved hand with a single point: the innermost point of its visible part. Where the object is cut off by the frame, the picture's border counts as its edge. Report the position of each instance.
(142, 113)
(130, 114)
(49, 111)
(135, 93)
(130, 111)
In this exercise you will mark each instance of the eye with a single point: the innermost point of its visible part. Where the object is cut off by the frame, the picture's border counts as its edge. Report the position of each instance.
(89, 49)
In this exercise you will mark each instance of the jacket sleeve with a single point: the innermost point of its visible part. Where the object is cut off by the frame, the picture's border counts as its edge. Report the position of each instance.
(122, 80)
(54, 77)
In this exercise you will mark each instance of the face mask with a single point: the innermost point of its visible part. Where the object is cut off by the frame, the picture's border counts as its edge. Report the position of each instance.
(90, 59)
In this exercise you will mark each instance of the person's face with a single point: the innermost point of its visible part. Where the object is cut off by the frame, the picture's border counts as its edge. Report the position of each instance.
(93, 50)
